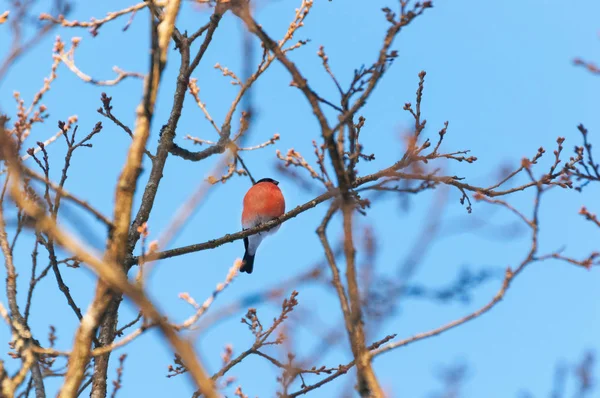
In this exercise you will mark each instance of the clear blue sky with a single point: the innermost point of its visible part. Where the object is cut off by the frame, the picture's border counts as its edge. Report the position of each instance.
(500, 72)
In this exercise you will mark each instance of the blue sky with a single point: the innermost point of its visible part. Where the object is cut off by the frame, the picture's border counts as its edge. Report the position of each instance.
(501, 73)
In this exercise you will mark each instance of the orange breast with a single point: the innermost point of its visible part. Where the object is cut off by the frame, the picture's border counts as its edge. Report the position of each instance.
(263, 200)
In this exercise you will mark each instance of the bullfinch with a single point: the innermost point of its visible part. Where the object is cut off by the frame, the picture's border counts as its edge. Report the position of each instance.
(263, 202)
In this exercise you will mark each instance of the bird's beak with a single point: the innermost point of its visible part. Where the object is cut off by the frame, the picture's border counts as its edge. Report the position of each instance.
(275, 182)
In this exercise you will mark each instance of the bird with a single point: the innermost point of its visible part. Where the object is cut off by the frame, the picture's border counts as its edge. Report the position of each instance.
(262, 203)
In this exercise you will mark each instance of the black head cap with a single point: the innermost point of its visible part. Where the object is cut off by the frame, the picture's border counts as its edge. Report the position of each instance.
(272, 181)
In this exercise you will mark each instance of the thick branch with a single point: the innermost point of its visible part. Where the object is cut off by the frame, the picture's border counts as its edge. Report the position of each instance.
(117, 245)
(108, 328)
(110, 272)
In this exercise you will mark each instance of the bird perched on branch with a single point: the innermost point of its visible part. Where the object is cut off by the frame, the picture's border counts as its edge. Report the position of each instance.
(263, 202)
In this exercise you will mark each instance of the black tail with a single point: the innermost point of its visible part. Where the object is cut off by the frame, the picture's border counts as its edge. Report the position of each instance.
(248, 264)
